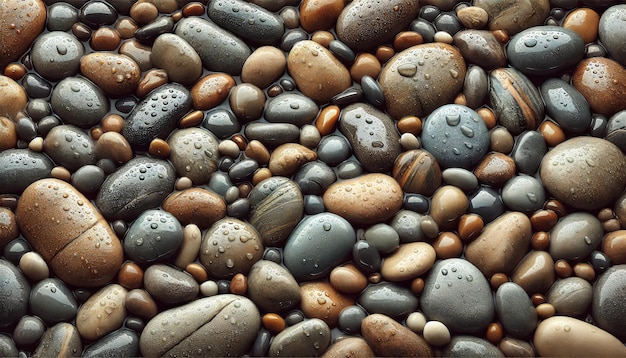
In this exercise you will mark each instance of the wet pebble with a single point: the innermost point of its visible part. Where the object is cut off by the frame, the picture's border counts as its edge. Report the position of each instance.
(469, 346)
(28, 331)
(523, 193)
(535, 272)
(57, 55)
(79, 101)
(62, 339)
(272, 134)
(566, 105)
(602, 82)
(611, 33)
(515, 310)
(122, 342)
(349, 347)
(264, 66)
(607, 295)
(528, 151)
(314, 177)
(22, 167)
(570, 296)
(407, 224)
(389, 299)
(169, 284)
(272, 287)
(14, 99)
(15, 289)
(211, 90)
(481, 47)
(194, 153)
(98, 67)
(102, 313)
(51, 300)
(334, 150)
(287, 158)
(154, 236)
(410, 261)
(387, 337)
(321, 300)
(261, 26)
(309, 338)
(195, 206)
(495, 169)
(70, 147)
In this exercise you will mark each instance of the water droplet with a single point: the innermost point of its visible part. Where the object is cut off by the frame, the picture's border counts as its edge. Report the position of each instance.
(453, 119)
(530, 42)
(467, 131)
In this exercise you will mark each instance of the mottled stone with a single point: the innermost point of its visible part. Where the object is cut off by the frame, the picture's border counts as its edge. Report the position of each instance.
(481, 47)
(389, 338)
(389, 299)
(272, 287)
(195, 206)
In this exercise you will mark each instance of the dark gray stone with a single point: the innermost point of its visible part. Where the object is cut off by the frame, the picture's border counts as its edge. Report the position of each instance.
(7, 346)
(570, 296)
(154, 237)
(70, 147)
(121, 343)
(170, 284)
(21, 167)
(28, 331)
(611, 32)
(607, 307)
(272, 134)
(523, 193)
(291, 108)
(60, 339)
(56, 55)
(407, 224)
(333, 150)
(486, 202)
(575, 236)
(515, 310)
(221, 122)
(314, 177)
(350, 318)
(53, 301)
(476, 86)
(78, 101)
(529, 149)
(390, 299)
(308, 338)
(14, 291)
(468, 346)
(566, 105)
(247, 20)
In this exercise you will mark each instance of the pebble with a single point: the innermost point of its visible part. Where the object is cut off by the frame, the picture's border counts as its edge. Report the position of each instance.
(383, 237)
(605, 309)
(51, 300)
(34, 266)
(349, 347)
(575, 236)
(15, 290)
(367, 199)
(79, 101)
(512, 16)
(287, 158)
(460, 178)
(291, 108)
(334, 150)
(375, 144)
(122, 342)
(407, 224)
(495, 169)
(387, 337)
(139, 302)
(610, 33)
(410, 261)
(98, 67)
(70, 147)
(314, 177)
(501, 245)
(154, 236)
(515, 310)
(177, 57)
(436, 333)
(389, 299)
(14, 98)
(469, 346)
(102, 313)
(602, 82)
(312, 66)
(60, 340)
(194, 153)
(20, 29)
(441, 299)
(348, 279)
(264, 66)
(321, 300)
(195, 206)
(566, 105)
(232, 334)
(308, 338)
(613, 246)
(56, 55)
(570, 296)
(169, 284)
(28, 331)
(523, 193)
(448, 204)
(261, 26)
(211, 90)
(535, 272)
(566, 335)
(272, 287)
(272, 134)
(21, 167)
(529, 149)
(114, 146)
(418, 87)
(246, 101)
(310, 259)
(482, 48)
(585, 172)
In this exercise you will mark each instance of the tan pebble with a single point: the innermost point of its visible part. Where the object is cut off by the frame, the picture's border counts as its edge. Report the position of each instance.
(389, 338)
(238, 284)
(102, 313)
(36, 145)
(211, 90)
(365, 64)
(406, 39)
(323, 37)
(436, 333)
(60, 340)
(260, 175)
(354, 347)
(364, 200)
(501, 245)
(290, 17)
(470, 225)
(319, 14)
(409, 141)
(139, 302)
(488, 117)
(209, 288)
(443, 37)
(448, 245)
(143, 12)
(273, 322)
(126, 27)
(105, 39)
(348, 279)
(416, 322)
(61, 173)
(9, 229)
(95, 133)
(159, 148)
(114, 146)
(138, 52)
(552, 133)
(34, 266)
(309, 136)
(247, 102)
(513, 347)
(257, 151)
(130, 275)
(287, 158)
(408, 261)
(316, 71)
(563, 269)
(384, 53)
(585, 271)
(473, 17)
(448, 204)
(321, 300)
(13, 98)
(8, 134)
(584, 22)
(112, 123)
(535, 273)
(150, 80)
(567, 336)
(164, 6)
(264, 66)
(191, 119)
(197, 271)
(195, 206)
(614, 246)
(117, 75)
(188, 251)
(495, 169)
(501, 140)
(177, 57)
(228, 148)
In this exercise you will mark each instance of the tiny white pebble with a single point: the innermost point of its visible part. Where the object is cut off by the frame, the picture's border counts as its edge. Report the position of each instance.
(409, 141)
(442, 36)
(183, 183)
(416, 322)
(209, 288)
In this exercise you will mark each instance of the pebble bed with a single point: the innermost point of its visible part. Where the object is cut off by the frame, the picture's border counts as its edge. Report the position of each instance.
(312, 178)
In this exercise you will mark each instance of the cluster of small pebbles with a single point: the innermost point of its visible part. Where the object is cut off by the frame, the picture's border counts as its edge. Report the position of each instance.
(338, 178)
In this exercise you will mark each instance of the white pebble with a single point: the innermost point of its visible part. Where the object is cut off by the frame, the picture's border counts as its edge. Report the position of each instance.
(416, 322)
(309, 136)
(436, 333)
(442, 36)
(409, 141)
(34, 266)
(228, 148)
(183, 183)
(188, 252)
(208, 288)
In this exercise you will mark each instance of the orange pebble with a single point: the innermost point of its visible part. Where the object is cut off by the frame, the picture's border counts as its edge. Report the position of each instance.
(562, 268)
(545, 310)
(112, 123)
(555, 206)
(540, 241)
(543, 220)
(410, 124)
(273, 323)
(105, 39)
(497, 279)
(552, 133)
(460, 99)
(15, 71)
(239, 284)
(584, 22)
(193, 9)
(585, 271)
(326, 121)
(197, 271)
(159, 148)
(406, 39)
(384, 53)
(494, 333)
(417, 285)
(488, 116)
(130, 275)
(365, 64)
(191, 120)
(470, 225)
(448, 245)
(323, 37)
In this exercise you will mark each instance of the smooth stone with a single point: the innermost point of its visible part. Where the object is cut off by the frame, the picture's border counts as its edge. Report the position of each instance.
(603, 84)
(608, 294)
(28, 331)
(407, 224)
(22, 167)
(51, 300)
(154, 236)
(515, 310)
(169, 284)
(291, 108)
(523, 193)
(88, 179)
(321, 300)
(575, 236)
(456, 136)
(441, 298)
(388, 338)
(211, 90)
(421, 79)
(219, 326)
(469, 346)
(363, 25)
(310, 259)
(487, 203)
(56, 55)
(501, 245)
(317, 72)
(272, 134)
(60, 340)
(566, 105)
(70, 147)
(287, 158)
(138, 52)
(476, 86)
(150, 31)
(177, 57)
(277, 205)
(409, 261)
(436, 333)
(195, 206)
(461, 178)
(248, 20)
(448, 204)
(19, 28)
(495, 169)
(334, 150)
(516, 101)
(545, 50)
(79, 101)
(482, 48)
(314, 177)
(366, 257)
(140, 184)
(372, 91)
(389, 299)
(214, 43)
(560, 335)
(222, 123)
(230, 246)
(348, 279)
(97, 13)
(514, 16)
(529, 149)
(34, 266)
(15, 290)
(140, 303)
(309, 338)
(376, 143)
(364, 200)
(611, 32)
(247, 102)
(614, 246)
(272, 287)
(535, 272)
(512, 347)
(102, 313)
(40, 211)
(116, 75)
(349, 347)
(14, 98)
(264, 66)
(316, 16)
(157, 114)
(383, 237)
(615, 130)
(123, 342)
(194, 153)
(570, 296)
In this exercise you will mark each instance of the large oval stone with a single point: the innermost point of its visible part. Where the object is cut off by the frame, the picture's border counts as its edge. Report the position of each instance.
(602, 82)
(607, 305)
(21, 167)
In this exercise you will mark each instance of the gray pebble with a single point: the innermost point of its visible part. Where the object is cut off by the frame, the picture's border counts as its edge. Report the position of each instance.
(78, 101)
(38, 108)
(70, 147)
(261, 343)
(615, 129)
(7, 346)
(456, 136)
(154, 237)
(292, 37)
(243, 170)
(461, 178)
(566, 105)
(389, 299)
(366, 257)
(61, 16)
(575, 236)
(272, 287)
(515, 310)
(529, 149)
(140, 184)
(272, 134)
(407, 224)
(341, 51)
(476, 86)
(372, 91)
(314, 177)
(312, 259)
(291, 108)
(56, 55)
(607, 307)
(123, 342)
(14, 250)
(247, 20)
(308, 338)
(570, 296)
(523, 193)
(28, 331)
(53, 301)
(469, 346)
(333, 149)
(157, 114)
(169, 284)
(486, 202)
(350, 318)
(383, 237)
(194, 153)
(25, 128)
(611, 32)
(219, 183)
(221, 122)
(349, 169)
(239, 208)
(458, 294)
(313, 204)
(309, 136)
(88, 179)
(21, 167)
(60, 340)
(14, 290)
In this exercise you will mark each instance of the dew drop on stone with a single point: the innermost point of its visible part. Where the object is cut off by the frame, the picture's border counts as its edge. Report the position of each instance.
(453, 119)
(530, 42)
(467, 131)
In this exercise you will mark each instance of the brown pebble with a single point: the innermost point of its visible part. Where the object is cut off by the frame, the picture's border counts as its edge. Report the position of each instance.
(8, 226)
(273, 322)
(197, 271)
(211, 90)
(20, 24)
(323, 37)
(247, 102)
(389, 338)
(96, 132)
(470, 226)
(61, 173)
(448, 245)
(195, 206)
(602, 82)
(585, 271)
(260, 175)
(552, 133)
(8, 134)
(429, 227)
(460, 99)
(81, 31)
(349, 347)
(130, 275)
(497, 279)
(319, 14)
(513, 347)
(406, 39)
(540, 241)
(494, 333)
(188, 250)
(238, 284)
(8, 201)
(193, 9)
(495, 169)
(488, 117)
(348, 279)
(13, 98)
(410, 124)
(139, 52)
(556, 206)
(257, 151)
(139, 302)
(126, 27)
(544, 220)
(112, 123)
(264, 66)
(375, 278)
(321, 300)
(327, 119)
(150, 80)
(417, 171)
(105, 39)
(535, 273)
(538, 299)
(545, 310)
(384, 53)
(143, 12)
(409, 261)
(417, 285)
(584, 22)
(563, 269)
(114, 146)
(287, 158)
(473, 17)
(614, 246)
(365, 64)
(15, 71)
(448, 204)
